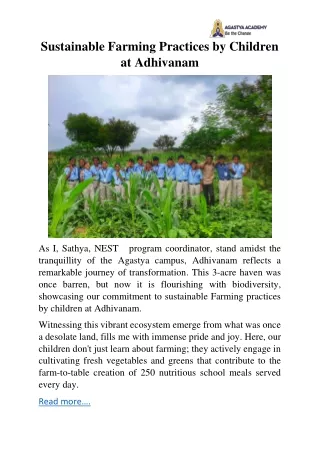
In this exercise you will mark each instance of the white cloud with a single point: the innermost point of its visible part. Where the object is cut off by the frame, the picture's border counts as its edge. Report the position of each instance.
(158, 105)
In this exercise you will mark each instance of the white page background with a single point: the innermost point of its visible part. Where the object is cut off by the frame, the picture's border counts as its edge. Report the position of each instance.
(174, 413)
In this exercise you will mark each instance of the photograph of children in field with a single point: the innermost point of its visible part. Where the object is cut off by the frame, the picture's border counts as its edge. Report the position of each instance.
(160, 156)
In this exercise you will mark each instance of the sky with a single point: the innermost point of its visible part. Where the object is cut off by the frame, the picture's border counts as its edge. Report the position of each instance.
(158, 105)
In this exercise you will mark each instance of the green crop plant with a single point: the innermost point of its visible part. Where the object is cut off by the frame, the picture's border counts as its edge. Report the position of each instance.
(64, 204)
(94, 208)
(148, 211)
(162, 219)
(133, 193)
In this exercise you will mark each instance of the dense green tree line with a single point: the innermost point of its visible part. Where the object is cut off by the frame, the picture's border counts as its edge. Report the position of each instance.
(93, 132)
(241, 119)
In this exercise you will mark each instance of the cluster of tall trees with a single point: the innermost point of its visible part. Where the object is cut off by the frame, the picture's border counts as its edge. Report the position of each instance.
(241, 119)
(93, 132)
(242, 115)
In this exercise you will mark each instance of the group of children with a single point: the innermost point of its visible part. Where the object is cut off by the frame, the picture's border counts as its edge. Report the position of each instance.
(191, 178)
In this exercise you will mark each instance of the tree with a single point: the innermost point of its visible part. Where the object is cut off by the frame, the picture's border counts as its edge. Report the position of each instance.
(165, 142)
(109, 136)
(83, 128)
(128, 134)
(213, 132)
(248, 107)
(207, 138)
(104, 140)
(117, 133)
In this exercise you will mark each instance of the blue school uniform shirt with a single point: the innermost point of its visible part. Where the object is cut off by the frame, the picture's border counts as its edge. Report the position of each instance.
(95, 171)
(74, 173)
(86, 174)
(128, 171)
(117, 180)
(170, 172)
(223, 171)
(195, 176)
(182, 171)
(239, 170)
(138, 168)
(105, 175)
(159, 170)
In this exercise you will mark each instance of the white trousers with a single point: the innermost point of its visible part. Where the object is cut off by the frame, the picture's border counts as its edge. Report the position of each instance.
(224, 191)
(194, 191)
(182, 191)
(237, 188)
(119, 189)
(105, 192)
(72, 183)
(88, 193)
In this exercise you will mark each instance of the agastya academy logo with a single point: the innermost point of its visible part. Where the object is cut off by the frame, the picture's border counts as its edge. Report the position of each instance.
(217, 31)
